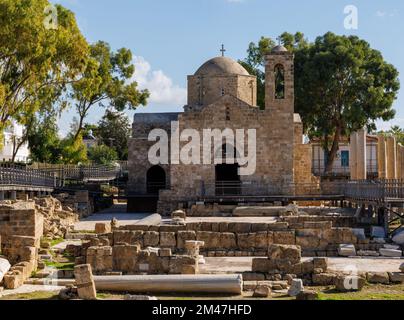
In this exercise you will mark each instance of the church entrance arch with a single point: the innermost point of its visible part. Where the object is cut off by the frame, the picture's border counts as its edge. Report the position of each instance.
(156, 180)
(227, 175)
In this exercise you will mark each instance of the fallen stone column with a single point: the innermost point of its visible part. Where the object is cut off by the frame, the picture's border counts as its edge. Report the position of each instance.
(4, 267)
(231, 284)
(152, 220)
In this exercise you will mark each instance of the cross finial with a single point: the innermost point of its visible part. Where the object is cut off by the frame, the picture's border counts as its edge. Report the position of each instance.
(223, 50)
(279, 40)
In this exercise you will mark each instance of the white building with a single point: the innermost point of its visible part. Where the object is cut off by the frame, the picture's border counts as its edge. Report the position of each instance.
(341, 162)
(12, 136)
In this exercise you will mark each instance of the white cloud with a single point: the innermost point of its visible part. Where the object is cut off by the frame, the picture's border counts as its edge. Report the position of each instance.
(382, 14)
(385, 126)
(162, 89)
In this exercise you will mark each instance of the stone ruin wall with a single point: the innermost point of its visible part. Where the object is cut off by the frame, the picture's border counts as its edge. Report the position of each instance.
(21, 228)
(161, 249)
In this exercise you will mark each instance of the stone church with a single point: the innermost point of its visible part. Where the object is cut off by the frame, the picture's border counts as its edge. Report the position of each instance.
(222, 94)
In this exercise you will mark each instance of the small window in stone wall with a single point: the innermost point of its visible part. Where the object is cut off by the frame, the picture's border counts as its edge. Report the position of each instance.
(223, 92)
(279, 82)
(227, 113)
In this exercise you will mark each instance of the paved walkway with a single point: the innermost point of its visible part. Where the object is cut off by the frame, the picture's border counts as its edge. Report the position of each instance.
(117, 211)
(243, 264)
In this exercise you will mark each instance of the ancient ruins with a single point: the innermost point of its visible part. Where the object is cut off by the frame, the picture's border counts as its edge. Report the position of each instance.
(204, 228)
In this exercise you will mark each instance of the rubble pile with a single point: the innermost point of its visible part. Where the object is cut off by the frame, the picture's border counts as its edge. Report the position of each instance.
(59, 217)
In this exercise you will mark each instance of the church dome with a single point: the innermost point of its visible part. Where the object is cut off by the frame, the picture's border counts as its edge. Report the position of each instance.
(221, 66)
(279, 49)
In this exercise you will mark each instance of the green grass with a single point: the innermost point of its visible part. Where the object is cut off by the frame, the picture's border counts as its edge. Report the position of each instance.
(369, 292)
(40, 295)
(60, 265)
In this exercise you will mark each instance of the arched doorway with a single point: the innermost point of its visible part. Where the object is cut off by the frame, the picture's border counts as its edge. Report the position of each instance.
(227, 174)
(156, 180)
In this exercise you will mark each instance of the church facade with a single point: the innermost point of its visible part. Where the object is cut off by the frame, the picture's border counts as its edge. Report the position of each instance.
(222, 95)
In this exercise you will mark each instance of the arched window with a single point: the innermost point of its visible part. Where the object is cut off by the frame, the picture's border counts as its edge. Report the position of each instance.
(279, 82)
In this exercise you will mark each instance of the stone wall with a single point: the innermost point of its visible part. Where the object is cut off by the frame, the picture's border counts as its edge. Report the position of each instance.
(21, 228)
(317, 236)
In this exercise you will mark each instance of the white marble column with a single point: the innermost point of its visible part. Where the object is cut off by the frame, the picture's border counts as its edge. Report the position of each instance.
(381, 157)
(361, 158)
(391, 158)
(352, 155)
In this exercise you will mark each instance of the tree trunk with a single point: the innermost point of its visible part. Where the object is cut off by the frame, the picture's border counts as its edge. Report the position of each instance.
(80, 128)
(333, 152)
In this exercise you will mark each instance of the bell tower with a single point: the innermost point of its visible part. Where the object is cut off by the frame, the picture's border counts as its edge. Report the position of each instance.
(279, 81)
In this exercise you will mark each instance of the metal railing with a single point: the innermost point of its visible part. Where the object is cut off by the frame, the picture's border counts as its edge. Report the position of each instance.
(80, 172)
(254, 188)
(318, 168)
(12, 175)
(375, 190)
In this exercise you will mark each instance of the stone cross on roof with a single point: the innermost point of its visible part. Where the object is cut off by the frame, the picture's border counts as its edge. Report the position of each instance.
(279, 40)
(223, 50)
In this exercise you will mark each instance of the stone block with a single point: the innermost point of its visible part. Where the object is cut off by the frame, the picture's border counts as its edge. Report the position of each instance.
(263, 265)
(85, 282)
(261, 240)
(168, 239)
(284, 237)
(308, 267)
(296, 287)
(151, 239)
(183, 236)
(125, 257)
(178, 214)
(308, 242)
(246, 241)
(262, 291)
(378, 277)
(323, 279)
(228, 240)
(346, 283)
(307, 295)
(346, 250)
(129, 237)
(396, 277)
(285, 252)
(101, 228)
(320, 263)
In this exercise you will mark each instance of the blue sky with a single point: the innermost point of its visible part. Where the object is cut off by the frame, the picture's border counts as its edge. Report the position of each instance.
(170, 39)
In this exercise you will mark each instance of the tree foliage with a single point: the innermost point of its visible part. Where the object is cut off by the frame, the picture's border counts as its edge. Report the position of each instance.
(36, 63)
(341, 85)
(102, 154)
(43, 139)
(106, 81)
(114, 130)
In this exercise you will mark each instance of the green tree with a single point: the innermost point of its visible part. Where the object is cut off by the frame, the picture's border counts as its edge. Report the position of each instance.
(102, 154)
(36, 62)
(341, 85)
(43, 139)
(114, 131)
(106, 81)
(73, 150)
(396, 132)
